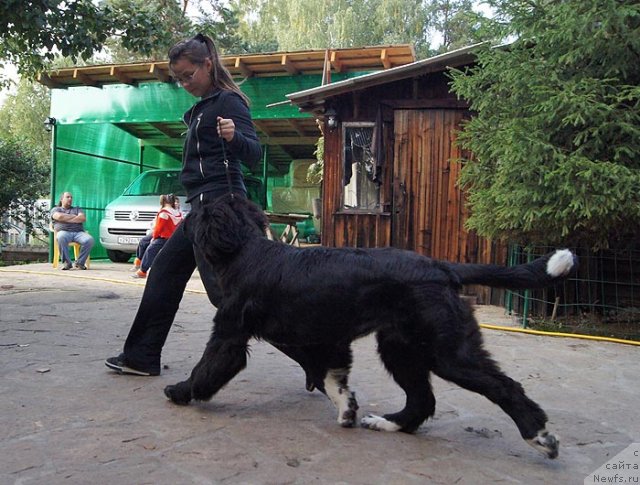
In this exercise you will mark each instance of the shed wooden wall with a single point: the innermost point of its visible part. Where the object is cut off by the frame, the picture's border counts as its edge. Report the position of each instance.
(429, 206)
(422, 208)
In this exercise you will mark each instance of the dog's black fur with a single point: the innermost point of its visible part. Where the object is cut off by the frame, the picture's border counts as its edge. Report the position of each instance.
(316, 301)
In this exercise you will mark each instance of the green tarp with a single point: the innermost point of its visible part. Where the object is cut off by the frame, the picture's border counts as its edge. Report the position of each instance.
(95, 159)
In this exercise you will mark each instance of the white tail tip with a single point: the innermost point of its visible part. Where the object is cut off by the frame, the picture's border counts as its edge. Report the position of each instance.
(560, 263)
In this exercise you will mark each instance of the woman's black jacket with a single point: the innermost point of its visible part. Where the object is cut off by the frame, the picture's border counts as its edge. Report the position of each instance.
(203, 167)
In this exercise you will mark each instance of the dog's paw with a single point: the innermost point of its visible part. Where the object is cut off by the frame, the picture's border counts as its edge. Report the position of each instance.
(378, 423)
(177, 394)
(309, 384)
(546, 443)
(347, 418)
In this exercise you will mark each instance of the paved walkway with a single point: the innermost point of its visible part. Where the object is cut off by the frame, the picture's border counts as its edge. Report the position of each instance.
(66, 419)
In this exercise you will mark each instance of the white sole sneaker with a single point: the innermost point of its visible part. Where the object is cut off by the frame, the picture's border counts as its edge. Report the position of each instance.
(118, 366)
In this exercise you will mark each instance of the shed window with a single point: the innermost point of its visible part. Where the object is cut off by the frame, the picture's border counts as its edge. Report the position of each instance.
(361, 191)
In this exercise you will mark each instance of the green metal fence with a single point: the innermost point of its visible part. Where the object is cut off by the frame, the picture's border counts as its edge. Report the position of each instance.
(602, 297)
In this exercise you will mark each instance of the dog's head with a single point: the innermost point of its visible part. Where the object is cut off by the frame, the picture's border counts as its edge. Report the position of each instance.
(220, 228)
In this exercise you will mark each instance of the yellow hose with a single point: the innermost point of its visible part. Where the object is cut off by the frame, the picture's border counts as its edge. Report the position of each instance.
(559, 334)
(483, 325)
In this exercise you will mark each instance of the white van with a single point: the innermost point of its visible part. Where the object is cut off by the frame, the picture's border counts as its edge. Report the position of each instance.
(127, 218)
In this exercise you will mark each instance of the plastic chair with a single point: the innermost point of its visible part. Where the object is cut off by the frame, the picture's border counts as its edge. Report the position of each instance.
(56, 250)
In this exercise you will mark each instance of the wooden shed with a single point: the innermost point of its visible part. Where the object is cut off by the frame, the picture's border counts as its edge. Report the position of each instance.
(391, 162)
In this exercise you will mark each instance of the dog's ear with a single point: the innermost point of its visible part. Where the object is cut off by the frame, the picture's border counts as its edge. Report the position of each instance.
(215, 230)
(221, 228)
(254, 216)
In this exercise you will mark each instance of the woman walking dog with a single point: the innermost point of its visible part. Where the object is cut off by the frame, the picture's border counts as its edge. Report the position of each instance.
(220, 135)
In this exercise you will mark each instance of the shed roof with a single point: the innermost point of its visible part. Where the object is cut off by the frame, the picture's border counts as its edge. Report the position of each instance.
(313, 99)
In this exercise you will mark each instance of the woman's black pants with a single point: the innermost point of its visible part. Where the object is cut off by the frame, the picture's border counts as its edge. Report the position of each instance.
(167, 280)
(172, 268)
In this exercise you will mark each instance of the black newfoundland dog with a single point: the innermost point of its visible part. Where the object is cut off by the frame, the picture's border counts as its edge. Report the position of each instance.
(313, 302)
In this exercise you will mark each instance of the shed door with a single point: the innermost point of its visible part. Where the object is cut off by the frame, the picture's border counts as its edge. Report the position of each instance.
(428, 210)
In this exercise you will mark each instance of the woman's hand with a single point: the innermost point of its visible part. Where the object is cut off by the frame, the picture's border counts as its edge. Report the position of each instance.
(226, 128)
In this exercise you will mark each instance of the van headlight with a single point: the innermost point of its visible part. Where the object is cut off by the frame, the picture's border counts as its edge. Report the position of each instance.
(108, 213)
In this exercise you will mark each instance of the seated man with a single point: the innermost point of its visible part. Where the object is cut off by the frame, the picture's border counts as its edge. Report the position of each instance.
(67, 222)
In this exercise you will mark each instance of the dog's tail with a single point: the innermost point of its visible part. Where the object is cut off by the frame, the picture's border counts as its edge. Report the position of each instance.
(544, 271)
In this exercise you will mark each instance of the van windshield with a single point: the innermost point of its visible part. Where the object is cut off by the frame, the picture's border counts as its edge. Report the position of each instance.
(156, 183)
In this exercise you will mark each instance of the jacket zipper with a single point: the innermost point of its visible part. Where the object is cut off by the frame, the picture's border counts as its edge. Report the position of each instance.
(198, 144)
(188, 133)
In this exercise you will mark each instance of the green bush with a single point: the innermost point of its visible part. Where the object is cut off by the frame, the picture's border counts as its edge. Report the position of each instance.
(23, 180)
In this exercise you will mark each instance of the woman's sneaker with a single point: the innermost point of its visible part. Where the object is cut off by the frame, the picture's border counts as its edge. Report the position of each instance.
(139, 274)
(136, 265)
(118, 364)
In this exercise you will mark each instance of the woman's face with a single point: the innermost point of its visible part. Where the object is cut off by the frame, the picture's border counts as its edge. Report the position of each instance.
(194, 78)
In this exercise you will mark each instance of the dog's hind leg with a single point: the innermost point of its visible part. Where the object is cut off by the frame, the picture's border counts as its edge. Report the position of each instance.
(336, 382)
(471, 367)
(221, 362)
(409, 366)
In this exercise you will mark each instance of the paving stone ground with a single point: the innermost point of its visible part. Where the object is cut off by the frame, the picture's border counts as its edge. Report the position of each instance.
(66, 419)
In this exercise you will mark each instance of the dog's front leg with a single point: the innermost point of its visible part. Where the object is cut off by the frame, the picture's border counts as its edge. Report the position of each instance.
(222, 360)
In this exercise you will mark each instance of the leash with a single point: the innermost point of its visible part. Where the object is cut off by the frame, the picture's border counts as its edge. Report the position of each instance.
(226, 167)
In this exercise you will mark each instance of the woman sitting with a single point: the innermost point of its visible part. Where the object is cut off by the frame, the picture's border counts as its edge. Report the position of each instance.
(165, 223)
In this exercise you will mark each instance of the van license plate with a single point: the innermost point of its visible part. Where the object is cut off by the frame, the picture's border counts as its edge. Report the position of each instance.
(128, 240)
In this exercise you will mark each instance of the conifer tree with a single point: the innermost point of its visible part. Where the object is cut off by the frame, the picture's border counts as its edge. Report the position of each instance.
(556, 130)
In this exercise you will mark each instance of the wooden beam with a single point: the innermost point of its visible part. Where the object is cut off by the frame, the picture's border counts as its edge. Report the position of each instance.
(326, 68)
(288, 65)
(160, 142)
(307, 127)
(244, 69)
(166, 130)
(335, 62)
(83, 78)
(449, 103)
(384, 57)
(289, 140)
(295, 124)
(263, 127)
(159, 73)
(43, 78)
(122, 77)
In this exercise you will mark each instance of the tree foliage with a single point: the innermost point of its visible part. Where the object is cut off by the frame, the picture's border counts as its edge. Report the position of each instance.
(556, 135)
(22, 116)
(457, 23)
(221, 21)
(168, 15)
(33, 32)
(24, 179)
(299, 24)
(315, 171)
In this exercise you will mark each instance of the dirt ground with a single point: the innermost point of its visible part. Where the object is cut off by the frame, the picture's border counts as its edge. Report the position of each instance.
(65, 418)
